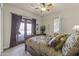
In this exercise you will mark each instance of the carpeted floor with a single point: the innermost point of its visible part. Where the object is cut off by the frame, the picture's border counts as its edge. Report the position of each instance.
(16, 51)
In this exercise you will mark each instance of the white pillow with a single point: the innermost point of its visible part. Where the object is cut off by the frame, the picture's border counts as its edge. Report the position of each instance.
(49, 43)
(68, 44)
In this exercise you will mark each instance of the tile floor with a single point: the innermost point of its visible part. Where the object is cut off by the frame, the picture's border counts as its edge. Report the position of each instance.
(16, 51)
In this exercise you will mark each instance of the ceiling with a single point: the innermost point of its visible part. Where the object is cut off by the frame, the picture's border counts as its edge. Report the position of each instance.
(31, 7)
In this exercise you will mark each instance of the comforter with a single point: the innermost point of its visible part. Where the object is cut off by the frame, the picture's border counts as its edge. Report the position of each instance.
(40, 45)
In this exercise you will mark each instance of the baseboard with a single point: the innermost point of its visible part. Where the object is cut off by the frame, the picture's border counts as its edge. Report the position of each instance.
(6, 49)
(12, 47)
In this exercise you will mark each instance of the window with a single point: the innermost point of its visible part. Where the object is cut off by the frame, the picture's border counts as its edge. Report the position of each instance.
(29, 28)
(57, 25)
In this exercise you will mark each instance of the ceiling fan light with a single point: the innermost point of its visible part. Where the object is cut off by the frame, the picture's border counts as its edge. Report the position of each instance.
(43, 9)
(50, 4)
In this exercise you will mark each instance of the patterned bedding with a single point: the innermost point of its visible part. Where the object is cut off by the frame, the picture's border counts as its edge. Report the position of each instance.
(39, 44)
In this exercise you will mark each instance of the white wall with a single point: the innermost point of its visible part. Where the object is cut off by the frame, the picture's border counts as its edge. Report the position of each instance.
(48, 22)
(7, 21)
(1, 29)
(69, 15)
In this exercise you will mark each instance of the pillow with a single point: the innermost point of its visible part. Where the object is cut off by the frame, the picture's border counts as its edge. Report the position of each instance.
(55, 41)
(58, 37)
(61, 43)
(49, 43)
(68, 44)
(75, 49)
(55, 34)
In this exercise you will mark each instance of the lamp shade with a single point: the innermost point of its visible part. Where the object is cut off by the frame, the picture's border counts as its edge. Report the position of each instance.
(76, 28)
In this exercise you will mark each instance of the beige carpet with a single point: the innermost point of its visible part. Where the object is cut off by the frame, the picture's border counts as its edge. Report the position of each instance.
(16, 51)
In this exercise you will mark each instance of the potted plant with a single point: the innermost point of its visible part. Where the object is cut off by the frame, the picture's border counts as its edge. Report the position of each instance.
(42, 29)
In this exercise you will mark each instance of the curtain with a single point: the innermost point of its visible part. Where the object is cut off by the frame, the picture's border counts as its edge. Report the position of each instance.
(17, 29)
(16, 19)
(34, 26)
(25, 34)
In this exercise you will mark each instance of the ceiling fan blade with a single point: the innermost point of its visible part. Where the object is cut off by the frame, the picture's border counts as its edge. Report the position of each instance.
(50, 4)
(36, 8)
(43, 4)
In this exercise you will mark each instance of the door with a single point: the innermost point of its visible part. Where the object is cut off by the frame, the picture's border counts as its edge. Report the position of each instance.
(29, 29)
(21, 33)
(25, 30)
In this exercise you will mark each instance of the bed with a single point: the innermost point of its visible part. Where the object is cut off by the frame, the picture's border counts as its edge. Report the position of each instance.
(38, 46)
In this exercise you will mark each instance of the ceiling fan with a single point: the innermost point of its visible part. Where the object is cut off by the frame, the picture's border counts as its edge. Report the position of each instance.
(45, 6)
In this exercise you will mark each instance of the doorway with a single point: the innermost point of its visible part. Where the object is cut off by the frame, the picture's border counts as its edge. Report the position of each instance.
(21, 33)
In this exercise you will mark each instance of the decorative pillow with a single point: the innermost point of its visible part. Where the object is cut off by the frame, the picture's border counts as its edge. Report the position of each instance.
(58, 37)
(75, 49)
(68, 44)
(49, 43)
(55, 34)
(62, 41)
(55, 41)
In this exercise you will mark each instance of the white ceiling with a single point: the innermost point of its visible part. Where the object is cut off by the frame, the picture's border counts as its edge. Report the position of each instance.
(31, 7)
